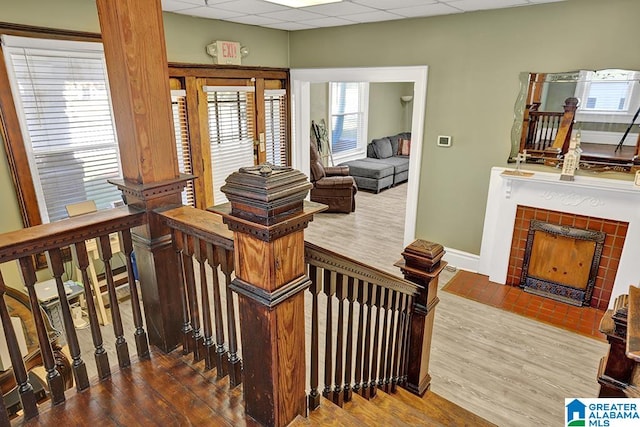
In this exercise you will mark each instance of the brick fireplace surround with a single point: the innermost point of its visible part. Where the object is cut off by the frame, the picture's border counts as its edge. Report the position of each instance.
(601, 204)
(615, 231)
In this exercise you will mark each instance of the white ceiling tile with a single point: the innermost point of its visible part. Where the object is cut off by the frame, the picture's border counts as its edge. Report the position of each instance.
(393, 4)
(346, 12)
(327, 22)
(427, 10)
(251, 7)
(290, 26)
(212, 13)
(203, 2)
(339, 9)
(377, 16)
(471, 5)
(255, 20)
(174, 5)
(293, 15)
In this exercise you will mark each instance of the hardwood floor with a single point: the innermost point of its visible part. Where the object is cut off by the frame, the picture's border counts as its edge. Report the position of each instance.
(506, 368)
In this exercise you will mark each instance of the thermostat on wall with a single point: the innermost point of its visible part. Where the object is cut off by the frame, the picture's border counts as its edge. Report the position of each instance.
(444, 141)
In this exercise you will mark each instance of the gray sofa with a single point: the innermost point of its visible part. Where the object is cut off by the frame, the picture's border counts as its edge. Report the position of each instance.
(383, 167)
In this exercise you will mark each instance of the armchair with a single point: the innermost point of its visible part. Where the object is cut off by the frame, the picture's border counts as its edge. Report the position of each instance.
(332, 185)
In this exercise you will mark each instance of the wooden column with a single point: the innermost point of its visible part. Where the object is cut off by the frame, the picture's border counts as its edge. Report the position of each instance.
(134, 47)
(421, 265)
(268, 215)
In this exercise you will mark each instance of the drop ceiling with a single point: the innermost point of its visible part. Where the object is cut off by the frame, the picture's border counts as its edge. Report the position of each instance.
(346, 12)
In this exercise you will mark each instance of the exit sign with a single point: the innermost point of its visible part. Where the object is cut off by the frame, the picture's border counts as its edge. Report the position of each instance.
(228, 52)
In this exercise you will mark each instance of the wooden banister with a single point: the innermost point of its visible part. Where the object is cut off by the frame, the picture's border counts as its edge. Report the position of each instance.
(21, 246)
(633, 325)
(546, 134)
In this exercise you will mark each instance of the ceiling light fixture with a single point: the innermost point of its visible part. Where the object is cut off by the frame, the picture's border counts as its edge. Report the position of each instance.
(302, 3)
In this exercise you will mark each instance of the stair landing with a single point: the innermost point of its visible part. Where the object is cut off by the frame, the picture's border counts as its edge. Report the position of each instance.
(168, 390)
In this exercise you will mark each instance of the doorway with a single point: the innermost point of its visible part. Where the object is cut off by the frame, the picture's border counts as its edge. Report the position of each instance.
(301, 80)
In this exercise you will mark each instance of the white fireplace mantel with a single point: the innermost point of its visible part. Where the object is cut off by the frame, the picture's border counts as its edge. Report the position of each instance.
(591, 196)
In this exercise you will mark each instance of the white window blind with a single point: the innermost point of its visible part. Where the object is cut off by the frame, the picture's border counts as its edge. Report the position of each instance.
(231, 123)
(275, 111)
(348, 118)
(183, 147)
(62, 97)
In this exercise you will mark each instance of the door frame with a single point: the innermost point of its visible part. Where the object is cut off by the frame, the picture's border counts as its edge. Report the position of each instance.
(301, 80)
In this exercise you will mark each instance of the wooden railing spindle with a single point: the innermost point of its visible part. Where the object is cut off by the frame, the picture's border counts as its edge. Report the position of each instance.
(363, 293)
(405, 345)
(187, 332)
(390, 347)
(351, 296)
(54, 379)
(214, 254)
(329, 287)
(122, 350)
(140, 335)
(234, 364)
(386, 295)
(314, 288)
(200, 255)
(25, 390)
(82, 262)
(377, 310)
(367, 391)
(189, 275)
(397, 353)
(337, 396)
(78, 366)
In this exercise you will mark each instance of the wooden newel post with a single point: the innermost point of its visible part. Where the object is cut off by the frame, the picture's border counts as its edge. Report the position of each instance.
(268, 215)
(421, 265)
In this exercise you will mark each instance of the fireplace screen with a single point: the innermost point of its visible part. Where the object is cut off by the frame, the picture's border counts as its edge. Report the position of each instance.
(561, 262)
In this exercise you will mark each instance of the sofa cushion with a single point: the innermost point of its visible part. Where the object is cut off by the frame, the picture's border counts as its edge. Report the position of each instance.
(382, 148)
(399, 164)
(368, 168)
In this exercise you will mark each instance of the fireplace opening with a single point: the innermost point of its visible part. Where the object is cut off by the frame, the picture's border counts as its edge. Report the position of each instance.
(561, 262)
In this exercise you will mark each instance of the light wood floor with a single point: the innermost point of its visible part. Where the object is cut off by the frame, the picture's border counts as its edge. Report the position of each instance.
(510, 370)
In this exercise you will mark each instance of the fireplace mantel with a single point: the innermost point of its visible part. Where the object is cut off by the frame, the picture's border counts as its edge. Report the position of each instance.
(590, 196)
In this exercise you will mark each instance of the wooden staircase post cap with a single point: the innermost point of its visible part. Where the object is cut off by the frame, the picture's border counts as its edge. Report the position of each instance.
(266, 193)
(423, 254)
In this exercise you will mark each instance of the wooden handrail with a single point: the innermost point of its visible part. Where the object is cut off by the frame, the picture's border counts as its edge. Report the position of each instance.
(633, 325)
(333, 261)
(30, 241)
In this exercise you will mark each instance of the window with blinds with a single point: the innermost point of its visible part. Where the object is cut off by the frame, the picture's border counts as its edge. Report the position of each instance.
(62, 97)
(348, 118)
(183, 148)
(275, 112)
(231, 132)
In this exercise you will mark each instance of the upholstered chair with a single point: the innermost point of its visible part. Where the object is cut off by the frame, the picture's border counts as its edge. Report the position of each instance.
(332, 185)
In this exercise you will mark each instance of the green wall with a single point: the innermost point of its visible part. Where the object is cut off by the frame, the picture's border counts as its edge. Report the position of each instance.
(387, 115)
(474, 60)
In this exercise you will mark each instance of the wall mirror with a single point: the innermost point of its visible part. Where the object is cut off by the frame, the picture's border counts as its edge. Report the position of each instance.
(598, 108)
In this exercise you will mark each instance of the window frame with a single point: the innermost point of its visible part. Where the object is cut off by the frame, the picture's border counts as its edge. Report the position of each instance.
(10, 129)
(363, 111)
(80, 158)
(632, 102)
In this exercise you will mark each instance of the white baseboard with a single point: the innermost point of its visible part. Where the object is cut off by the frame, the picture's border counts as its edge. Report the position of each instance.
(462, 260)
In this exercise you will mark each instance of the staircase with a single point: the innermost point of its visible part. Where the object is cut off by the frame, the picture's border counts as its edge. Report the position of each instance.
(170, 390)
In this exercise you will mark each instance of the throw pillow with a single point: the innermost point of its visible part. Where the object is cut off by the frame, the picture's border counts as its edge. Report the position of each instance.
(382, 148)
(404, 147)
